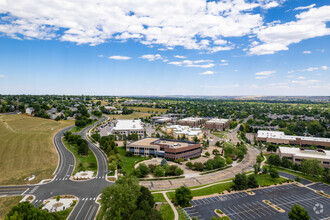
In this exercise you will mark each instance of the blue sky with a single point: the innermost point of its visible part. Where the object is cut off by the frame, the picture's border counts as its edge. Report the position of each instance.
(165, 47)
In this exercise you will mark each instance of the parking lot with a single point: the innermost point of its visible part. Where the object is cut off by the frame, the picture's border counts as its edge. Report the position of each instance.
(242, 206)
(321, 187)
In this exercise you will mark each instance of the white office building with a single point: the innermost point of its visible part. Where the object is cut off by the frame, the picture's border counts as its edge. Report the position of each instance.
(127, 127)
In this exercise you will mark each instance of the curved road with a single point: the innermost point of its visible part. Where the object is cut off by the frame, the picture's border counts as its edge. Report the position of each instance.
(87, 191)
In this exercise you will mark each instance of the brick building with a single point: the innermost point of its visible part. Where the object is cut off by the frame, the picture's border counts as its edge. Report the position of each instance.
(169, 149)
(217, 124)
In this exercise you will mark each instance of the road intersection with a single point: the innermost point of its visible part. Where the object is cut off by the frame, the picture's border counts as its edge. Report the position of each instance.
(86, 191)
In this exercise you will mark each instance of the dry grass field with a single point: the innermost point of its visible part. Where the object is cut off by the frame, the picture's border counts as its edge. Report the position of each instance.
(6, 203)
(149, 110)
(134, 115)
(26, 148)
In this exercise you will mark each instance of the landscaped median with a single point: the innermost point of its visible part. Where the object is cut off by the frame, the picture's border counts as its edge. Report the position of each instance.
(277, 208)
(83, 163)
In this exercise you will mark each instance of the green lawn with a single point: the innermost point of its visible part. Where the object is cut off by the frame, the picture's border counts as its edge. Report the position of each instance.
(267, 180)
(82, 162)
(78, 129)
(62, 215)
(229, 144)
(300, 175)
(158, 197)
(221, 135)
(218, 188)
(167, 212)
(181, 215)
(129, 162)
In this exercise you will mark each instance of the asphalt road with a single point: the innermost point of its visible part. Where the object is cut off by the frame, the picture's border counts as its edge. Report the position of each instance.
(87, 191)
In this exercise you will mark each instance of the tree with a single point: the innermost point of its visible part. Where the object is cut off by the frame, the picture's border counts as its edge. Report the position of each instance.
(252, 182)
(311, 167)
(142, 170)
(229, 160)
(240, 181)
(159, 171)
(264, 170)
(286, 163)
(207, 154)
(298, 213)
(183, 196)
(256, 168)
(58, 198)
(163, 162)
(198, 166)
(190, 165)
(26, 210)
(273, 173)
(274, 159)
(96, 137)
(126, 199)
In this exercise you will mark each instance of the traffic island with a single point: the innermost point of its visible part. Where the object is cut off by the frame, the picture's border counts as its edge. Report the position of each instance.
(222, 215)
(249, 192)
(277, 208)
(59, 203)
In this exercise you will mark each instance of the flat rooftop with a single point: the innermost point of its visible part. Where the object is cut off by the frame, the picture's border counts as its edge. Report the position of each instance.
(281, 135)
(158, 141)
(306, 153)
(128, 125)
(218, 120)
(192, 119)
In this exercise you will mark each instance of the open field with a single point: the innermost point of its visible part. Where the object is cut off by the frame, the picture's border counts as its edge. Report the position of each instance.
(83, 163)
(134, 115)
(26, 148)
(149, 110)
(6, 203)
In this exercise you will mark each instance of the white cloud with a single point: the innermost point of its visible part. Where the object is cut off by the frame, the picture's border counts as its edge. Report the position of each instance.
(198, 25)
(301, 77)
(209, 72)
(224, 64)
(152, 57)
(310, 69)
(307, 52)
(120, 57)
(2, 76)
(270, 5)
(304, 7)
(276, 37)
(324, 67)
(290, 71)
(264, 74)
(305, 82)
(100, 55)
(180, 57)
(194, 63)
(223, 61)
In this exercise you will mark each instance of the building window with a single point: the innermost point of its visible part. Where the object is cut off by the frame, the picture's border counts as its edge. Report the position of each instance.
(298, 160)
(326, 162)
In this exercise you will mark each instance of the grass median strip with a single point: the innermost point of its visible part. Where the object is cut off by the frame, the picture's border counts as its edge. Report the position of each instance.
(82, 162)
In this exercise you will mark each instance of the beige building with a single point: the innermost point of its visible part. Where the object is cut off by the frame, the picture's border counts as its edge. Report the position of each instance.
(278, 137)
(217, 124)
(296, 155)
(178, 132)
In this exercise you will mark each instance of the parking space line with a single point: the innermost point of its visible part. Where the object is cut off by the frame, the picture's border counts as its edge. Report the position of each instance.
(266, 208)
(235, 213)
(242, 212)
(253, 211)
